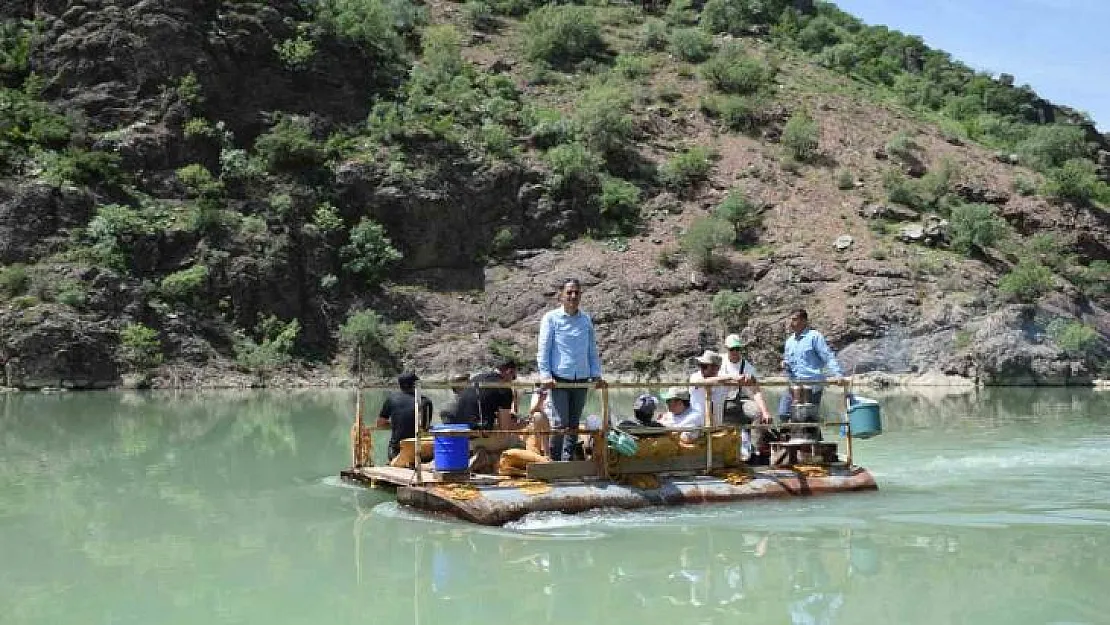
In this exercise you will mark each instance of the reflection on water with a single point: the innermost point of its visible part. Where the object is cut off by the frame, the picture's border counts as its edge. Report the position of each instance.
(223, 508)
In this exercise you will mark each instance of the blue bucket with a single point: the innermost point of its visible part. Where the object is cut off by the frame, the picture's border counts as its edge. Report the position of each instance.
(452, 453)
(865, 416)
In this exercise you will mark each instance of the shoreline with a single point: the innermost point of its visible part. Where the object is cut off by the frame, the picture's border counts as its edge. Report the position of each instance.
(874, 380)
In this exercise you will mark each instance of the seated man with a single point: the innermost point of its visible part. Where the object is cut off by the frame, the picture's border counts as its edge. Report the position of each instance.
(709, 365)
(484, 409)
(680, 414)
(398, 413)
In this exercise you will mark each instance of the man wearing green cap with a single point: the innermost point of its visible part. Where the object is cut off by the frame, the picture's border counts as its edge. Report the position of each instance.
(747, 403)
(680, 414)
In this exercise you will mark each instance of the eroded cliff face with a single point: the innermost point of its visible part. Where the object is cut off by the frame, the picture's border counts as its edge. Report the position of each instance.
(116, 67)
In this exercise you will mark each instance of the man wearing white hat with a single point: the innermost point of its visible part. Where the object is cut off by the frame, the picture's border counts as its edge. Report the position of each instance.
(709, 365)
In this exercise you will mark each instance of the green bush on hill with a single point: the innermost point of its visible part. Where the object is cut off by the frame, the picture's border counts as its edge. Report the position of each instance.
(562, 35)
(14, 280)
(1075, 181)
(732, 70)
(801, 137)
(690, 44)
(739, 113)
(688, 168)
(975, 226)
(603, 118)
(140, 350)
(1053, 146)
(1027, 281)
(740, 212)
(705, 236)
(1074, 337)
(620, 202)
(289, 146)
(369, 252)
(573, 166)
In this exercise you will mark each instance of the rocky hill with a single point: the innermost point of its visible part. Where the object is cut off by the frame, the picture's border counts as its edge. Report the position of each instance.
(200, 192)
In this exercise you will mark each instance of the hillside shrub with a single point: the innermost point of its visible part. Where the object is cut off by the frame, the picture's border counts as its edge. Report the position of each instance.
(1075, 181)
(480, 14)
(801, 137)
(740, 212)
(289, 146)
(818, 33)
(1027, 281)
(690, 44)
(1053, 145)
(975, 226)
(654, 34)
(732, 70)
(736, 17)
(603, 118)
(902, 147)
(326, 217)
(1074, 337)
(573, 166)
(140, 349)
(14, 280)
(185, 286)
(845, 181)
(81, 167)
(738, 113)
(547, 127)
(901, 190)
(620, 201)
(562, 35)
(704, 237)
(1023, 185)
(369, 252)
(198, 180)
(688, 168)
(731, 308)
(363, 330)
(377, 26)
(271, 348)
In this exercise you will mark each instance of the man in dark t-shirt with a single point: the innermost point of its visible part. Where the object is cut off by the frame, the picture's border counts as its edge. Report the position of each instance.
(481, 408)
(399, 410)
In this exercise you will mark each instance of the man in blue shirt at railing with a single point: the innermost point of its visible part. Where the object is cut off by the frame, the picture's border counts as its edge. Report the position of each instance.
(806, 357)
(567, 352)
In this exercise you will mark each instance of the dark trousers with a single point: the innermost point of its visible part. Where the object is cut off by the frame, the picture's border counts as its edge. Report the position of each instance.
(566, 412)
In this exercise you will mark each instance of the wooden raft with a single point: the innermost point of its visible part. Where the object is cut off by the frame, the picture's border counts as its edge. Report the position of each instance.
(495, 500)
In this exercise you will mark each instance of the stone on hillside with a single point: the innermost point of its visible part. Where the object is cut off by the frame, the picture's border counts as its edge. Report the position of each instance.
(1007, 158)
(980, 194)
(914, 168)
(880, 154)
(913, 233)
(882, 211)
(843, 242)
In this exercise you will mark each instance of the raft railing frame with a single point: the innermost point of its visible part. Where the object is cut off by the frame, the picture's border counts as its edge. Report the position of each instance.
(602, 434)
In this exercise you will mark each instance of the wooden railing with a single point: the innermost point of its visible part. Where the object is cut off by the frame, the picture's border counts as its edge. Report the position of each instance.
(604, 387)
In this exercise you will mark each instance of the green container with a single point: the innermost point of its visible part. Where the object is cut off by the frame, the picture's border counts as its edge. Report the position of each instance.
(622, 443)
(866, 417)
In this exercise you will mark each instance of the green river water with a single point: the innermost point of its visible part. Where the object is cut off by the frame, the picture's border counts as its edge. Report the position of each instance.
(214, 508)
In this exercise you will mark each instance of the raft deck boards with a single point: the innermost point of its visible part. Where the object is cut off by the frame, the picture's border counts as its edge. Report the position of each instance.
(489, 500)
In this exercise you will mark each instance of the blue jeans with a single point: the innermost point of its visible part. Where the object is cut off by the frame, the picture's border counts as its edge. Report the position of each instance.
(566, 411)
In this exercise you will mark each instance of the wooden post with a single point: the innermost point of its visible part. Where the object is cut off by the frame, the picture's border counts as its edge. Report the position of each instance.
(603, 470)
(708, 421)
(848, 426)
(416, 436)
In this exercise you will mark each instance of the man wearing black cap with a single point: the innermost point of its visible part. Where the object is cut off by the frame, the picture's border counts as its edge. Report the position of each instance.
(488, 408)
(399, 410)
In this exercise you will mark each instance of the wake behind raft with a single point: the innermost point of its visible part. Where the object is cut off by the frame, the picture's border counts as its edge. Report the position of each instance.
(633, 467)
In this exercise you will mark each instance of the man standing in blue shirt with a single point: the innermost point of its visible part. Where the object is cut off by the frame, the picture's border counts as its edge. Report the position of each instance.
(805, 358)
(567, 352)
